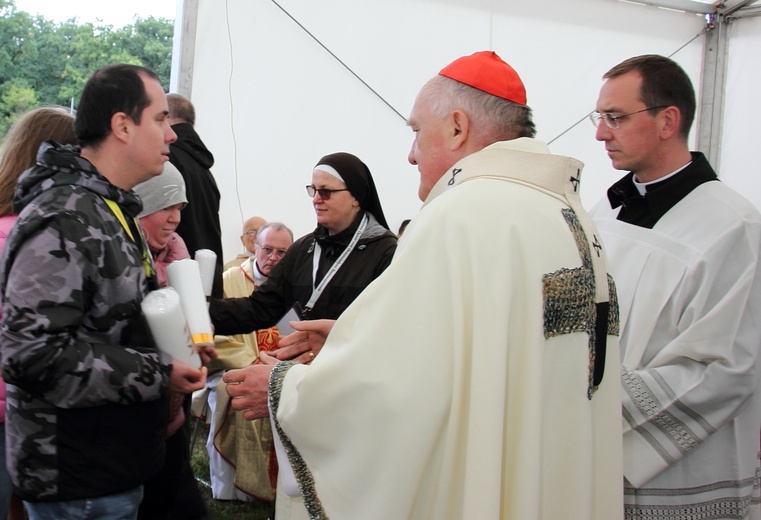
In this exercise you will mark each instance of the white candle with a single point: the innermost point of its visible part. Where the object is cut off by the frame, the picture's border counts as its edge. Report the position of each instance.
(207, 263)
(184, 276)
(163, 311)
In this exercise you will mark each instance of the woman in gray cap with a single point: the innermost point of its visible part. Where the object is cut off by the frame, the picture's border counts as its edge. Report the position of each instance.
(163, 198)
(173, 492)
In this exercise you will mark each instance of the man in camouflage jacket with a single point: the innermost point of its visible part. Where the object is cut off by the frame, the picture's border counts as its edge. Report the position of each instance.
(87, 388)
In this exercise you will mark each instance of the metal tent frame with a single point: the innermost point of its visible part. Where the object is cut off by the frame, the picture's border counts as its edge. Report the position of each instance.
(718, 14)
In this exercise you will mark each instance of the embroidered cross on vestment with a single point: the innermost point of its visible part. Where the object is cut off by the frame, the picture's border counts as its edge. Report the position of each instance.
(569, 304)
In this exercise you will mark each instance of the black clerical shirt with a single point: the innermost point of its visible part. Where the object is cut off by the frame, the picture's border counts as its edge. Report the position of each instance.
(660, 197)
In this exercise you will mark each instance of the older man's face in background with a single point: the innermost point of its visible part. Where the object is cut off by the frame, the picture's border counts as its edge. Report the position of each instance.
(271, 246)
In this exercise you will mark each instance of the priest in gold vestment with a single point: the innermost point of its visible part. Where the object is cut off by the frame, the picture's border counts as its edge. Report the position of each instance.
(242, 462)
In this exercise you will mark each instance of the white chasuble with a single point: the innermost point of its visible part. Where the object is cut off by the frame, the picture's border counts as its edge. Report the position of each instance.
(459, 384)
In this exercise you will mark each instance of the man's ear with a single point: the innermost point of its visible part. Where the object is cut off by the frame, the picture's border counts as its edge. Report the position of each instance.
(460, 129)
(670, 120)
(121, 126)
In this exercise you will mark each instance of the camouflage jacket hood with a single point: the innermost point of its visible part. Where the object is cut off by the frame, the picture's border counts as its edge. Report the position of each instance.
(59, 165)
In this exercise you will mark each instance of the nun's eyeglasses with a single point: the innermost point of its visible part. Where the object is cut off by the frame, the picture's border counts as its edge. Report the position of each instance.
(325, 193)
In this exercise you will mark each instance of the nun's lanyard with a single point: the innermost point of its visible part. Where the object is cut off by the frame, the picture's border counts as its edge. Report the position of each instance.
(317, 291)
(150, 271)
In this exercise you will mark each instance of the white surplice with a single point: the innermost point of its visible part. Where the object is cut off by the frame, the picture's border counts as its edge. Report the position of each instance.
(690, 298)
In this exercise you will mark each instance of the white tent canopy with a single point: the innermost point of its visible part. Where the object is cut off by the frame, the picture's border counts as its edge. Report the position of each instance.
(279, 84)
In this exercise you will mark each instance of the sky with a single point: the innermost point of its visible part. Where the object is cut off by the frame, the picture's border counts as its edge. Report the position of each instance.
(100, 12)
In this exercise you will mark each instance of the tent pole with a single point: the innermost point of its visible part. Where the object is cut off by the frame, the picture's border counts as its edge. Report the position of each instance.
(184, 46)
(712, 89)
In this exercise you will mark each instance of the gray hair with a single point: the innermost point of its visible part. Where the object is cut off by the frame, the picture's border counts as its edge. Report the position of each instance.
(276, 226)
(492, 118)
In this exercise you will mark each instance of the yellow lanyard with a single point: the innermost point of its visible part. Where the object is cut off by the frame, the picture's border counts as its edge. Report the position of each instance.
(150, 271)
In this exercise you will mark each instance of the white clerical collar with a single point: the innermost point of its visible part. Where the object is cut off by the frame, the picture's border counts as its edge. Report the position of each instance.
(642, 186)
(259, 278)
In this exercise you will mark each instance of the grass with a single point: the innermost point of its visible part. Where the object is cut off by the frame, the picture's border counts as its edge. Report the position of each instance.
(221, 509)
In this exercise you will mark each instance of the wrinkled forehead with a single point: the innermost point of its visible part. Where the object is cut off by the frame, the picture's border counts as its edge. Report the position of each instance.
(156, 96)
(252, 226)
(622, 93)
(423, 101)
(275, 238)
(323, 179)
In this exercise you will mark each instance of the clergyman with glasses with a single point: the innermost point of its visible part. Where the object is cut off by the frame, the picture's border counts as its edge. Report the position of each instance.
(241, 463)
(684, 251)
(324, 271)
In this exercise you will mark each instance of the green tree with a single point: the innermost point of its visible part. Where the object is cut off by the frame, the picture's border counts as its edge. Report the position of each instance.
(43, 62)
(151, 40)
(16, 97)
(88, 48)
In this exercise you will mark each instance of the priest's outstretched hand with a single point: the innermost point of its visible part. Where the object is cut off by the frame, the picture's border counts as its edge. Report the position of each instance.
(303, 345)
(247, 388)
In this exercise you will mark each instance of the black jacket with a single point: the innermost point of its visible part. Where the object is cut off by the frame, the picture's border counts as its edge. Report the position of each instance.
(291, 280)
(199, 227)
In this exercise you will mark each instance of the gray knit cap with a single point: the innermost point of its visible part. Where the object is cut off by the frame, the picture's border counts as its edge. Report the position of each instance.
(162, 190)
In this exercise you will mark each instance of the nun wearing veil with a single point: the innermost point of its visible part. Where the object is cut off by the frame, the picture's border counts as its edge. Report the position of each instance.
(320, 275)
(323, 271)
